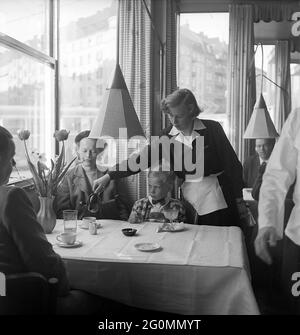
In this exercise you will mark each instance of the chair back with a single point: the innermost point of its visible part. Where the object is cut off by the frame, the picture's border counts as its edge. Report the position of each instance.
(29, 293)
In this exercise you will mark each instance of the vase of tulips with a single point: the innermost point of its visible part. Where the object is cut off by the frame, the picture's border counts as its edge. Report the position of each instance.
(47, 180)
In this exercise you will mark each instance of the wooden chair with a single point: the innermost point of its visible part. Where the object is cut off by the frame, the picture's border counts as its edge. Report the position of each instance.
(29, 294)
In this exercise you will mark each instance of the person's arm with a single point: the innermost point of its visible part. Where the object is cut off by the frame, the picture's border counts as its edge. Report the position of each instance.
(134, 164)
(279, 176)
(233, 170)
(135, 215)
(111, 194)
(36, 252)
(232, 167)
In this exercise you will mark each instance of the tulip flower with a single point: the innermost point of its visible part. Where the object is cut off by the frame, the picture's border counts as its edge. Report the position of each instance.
(47, 180)
(61, 135)
(23, 134)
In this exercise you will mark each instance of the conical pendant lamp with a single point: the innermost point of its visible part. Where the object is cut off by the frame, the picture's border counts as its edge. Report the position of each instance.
(260, 124)
(117, 112)
(117, 117)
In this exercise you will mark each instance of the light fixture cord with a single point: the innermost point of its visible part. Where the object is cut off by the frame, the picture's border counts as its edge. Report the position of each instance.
(118, 31)
(262, 67)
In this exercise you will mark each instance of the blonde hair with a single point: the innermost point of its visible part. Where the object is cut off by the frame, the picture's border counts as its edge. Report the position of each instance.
(178, 97)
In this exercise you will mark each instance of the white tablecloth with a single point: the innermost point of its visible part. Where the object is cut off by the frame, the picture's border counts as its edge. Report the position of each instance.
(201, 270)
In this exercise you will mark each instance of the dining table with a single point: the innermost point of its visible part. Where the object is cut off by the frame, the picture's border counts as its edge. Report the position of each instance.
(195, 270)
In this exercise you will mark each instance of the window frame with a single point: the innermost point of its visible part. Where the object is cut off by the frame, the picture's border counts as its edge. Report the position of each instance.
(51, 60)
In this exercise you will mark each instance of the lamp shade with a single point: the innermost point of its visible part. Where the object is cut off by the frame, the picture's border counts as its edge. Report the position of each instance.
(260, 124)
(117, 112)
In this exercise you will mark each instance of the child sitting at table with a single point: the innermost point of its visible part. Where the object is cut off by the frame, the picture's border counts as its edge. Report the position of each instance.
(156, 205)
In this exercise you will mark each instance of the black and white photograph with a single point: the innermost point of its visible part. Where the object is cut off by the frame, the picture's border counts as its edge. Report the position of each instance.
(149, 161)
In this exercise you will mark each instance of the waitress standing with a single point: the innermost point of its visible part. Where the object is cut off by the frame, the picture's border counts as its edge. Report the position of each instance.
(216, 195)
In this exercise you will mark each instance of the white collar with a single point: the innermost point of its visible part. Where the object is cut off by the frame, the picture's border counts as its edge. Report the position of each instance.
(261, 161)
(198, 125)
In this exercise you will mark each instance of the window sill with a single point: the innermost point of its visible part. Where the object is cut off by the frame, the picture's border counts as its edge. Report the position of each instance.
(24, 183)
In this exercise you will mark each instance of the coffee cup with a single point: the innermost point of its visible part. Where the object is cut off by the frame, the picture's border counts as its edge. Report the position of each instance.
(66, 238)
(86, 221)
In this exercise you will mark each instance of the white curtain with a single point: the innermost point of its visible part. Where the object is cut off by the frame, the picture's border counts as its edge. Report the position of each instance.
(283, 79)
(241, 77)
(135, 35)
(171, 46)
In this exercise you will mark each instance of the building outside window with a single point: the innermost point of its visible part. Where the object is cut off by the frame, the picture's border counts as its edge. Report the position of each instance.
(91, 26)
(295, 86)
(202, 61)
(26, 77)
(87, 49)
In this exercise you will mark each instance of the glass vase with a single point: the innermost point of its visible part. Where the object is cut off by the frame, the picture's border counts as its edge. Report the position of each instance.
(46, 215)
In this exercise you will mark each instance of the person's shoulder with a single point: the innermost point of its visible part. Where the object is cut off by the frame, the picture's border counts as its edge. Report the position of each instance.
(211, 123)
(251, 159)
(166, 131)
(141, 201)
(11, 197)
(11, 191)
(292, 124)
(213, 127)
(73, 170)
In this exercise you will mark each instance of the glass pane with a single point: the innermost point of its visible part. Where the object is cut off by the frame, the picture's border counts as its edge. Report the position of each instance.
(295, 85)
(265, 65)
(26, 101)
(26, 21)
(88, 56)
(202, 65)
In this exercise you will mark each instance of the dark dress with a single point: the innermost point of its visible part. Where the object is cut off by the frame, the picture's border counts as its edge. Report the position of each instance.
(219, 157)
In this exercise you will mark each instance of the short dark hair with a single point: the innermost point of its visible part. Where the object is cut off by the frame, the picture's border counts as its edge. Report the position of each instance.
(271, 141)
(81, 135)
(168, 175)
(5, 140)
(178, 97)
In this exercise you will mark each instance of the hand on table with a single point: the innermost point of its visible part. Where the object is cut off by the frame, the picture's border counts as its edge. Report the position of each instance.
(266, 237)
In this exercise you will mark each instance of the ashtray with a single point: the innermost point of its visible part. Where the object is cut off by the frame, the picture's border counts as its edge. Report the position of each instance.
(129, 231)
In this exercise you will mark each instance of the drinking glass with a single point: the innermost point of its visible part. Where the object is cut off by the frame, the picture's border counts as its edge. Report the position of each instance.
(171, 214)
(70, 220)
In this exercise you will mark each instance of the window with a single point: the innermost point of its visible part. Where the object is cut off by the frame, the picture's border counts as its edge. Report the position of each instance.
(295, 86)
(268, 90)
(27, 22)
(202, 61)
(81, 22)
(27, 77)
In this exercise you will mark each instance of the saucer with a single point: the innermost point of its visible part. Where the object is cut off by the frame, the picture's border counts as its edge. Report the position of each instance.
(147, 246)
(65, 245)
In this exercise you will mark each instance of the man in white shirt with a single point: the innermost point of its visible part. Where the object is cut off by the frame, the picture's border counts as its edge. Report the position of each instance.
(282, 169)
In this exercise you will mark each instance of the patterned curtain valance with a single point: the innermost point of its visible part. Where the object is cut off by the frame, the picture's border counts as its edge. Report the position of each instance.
(272, 11)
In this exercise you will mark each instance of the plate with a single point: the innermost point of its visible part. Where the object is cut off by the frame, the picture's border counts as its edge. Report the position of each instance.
(84, 227)
(75, 245)
(147, 246)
